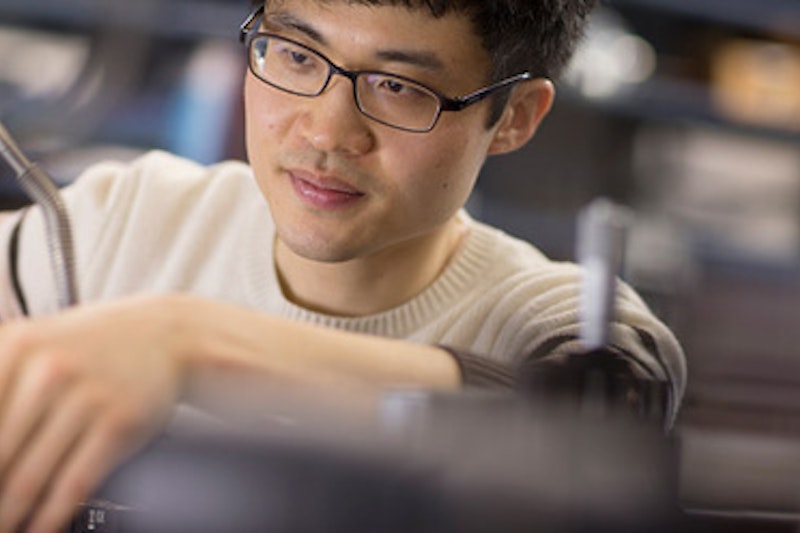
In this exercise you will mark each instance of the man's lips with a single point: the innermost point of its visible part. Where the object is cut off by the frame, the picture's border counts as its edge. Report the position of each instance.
(323, 192)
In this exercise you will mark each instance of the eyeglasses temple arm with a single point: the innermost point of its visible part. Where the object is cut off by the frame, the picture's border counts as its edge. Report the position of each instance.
(244, 28)
(457, 104)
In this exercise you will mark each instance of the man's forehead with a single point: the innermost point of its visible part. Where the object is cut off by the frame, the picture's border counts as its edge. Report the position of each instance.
(421, 39)
(432, 9)
(436, 8)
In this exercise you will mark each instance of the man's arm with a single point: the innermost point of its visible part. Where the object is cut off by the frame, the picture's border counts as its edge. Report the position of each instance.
(81, 390)
(603, 377)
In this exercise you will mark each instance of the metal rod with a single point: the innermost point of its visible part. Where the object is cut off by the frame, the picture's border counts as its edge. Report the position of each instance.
(41, 189)
(602, 228)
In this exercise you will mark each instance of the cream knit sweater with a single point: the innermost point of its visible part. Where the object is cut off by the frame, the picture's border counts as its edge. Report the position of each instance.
(164, 224)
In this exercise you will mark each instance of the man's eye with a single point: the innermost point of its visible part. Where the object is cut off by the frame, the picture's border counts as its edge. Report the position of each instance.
(395, 87)
(293, 55)
(298, 57)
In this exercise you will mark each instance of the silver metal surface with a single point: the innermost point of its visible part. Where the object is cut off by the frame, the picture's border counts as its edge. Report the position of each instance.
(41, 189)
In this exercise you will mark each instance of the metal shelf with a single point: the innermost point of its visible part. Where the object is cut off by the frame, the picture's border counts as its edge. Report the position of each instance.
(781, 16)
(677, 101)
(219, 18)
(164, 18)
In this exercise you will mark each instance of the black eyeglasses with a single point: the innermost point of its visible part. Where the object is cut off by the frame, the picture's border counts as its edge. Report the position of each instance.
(390, 99)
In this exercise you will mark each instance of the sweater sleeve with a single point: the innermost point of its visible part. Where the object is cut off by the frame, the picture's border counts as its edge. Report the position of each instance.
(605, 375)
(480, 372)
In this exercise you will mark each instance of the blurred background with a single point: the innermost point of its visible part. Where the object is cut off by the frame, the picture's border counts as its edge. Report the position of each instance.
(686, 110)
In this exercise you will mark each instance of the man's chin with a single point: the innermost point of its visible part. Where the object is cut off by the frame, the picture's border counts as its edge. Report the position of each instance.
(320, 250)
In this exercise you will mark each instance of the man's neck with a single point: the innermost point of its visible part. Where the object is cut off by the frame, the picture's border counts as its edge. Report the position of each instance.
(372, 284)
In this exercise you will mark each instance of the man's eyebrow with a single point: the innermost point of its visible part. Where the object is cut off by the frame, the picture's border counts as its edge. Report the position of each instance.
(424, 59)
(285, 20)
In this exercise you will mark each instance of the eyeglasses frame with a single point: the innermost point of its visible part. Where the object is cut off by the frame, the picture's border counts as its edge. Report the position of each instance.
(248, 31)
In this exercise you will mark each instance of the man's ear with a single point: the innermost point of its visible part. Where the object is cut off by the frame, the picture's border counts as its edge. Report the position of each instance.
(527, 106)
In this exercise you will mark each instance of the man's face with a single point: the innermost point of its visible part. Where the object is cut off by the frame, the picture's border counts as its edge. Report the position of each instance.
(340, 185)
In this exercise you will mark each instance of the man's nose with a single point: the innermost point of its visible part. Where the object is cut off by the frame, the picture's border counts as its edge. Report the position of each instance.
(332, 122)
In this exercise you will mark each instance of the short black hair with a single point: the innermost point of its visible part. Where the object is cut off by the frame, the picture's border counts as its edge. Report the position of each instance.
(537, 36)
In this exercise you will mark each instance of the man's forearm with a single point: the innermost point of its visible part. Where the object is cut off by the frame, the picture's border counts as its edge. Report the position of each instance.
(218, 339)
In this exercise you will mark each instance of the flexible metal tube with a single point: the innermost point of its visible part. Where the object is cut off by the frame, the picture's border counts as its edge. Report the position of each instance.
(41, 189)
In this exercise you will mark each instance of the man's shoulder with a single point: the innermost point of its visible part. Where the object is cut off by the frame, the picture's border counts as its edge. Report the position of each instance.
(160, 167)
(504, 276)
(159, 177)
(169, 164)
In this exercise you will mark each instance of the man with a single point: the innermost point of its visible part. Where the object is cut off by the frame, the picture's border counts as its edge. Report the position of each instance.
(353, 276)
